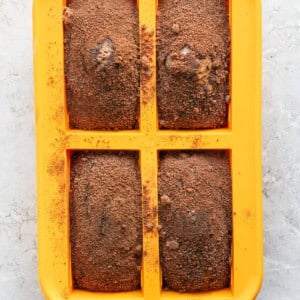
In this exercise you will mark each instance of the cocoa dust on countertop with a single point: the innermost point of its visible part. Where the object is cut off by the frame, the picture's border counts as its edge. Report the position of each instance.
(106, 221)
(195, 220)
(193, 54)
(102, 64)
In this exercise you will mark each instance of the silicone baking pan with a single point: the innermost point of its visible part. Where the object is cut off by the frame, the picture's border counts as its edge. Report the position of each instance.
(55, 142)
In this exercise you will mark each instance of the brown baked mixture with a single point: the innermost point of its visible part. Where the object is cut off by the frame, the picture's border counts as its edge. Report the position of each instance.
(102, 64)
(195, 220)
(106, 221)
(193, 54)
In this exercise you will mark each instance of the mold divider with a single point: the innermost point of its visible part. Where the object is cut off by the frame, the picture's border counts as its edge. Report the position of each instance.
(163, 140)
(147, 30)
(151, 267)
(148, 156)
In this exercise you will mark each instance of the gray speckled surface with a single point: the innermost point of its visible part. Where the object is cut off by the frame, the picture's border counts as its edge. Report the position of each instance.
(281, 149)
(281, 152)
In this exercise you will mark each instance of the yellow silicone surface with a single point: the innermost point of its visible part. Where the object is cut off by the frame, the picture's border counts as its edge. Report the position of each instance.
(55, 141)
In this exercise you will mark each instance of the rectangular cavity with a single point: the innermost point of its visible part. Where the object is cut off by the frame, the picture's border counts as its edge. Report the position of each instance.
(106, 221)
(195, 220)
(101, 64)
(193, 58)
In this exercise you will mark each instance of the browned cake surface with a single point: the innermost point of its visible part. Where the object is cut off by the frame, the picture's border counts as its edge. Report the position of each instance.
(106, 223)
(101, 64)
(193, 55)
(195, 220)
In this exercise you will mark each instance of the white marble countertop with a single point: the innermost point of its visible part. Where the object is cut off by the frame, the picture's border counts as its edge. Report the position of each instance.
(281, 152)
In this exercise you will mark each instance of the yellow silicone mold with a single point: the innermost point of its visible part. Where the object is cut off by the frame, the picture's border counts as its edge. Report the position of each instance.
(55, 141)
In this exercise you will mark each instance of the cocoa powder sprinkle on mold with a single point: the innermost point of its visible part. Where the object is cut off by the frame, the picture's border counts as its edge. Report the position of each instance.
(147, 46)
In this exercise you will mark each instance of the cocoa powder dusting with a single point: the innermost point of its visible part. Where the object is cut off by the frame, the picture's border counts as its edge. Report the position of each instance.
(193, 53)
(102, 64)
(195, 220)
(106, 221)
(149, 214)
(147, 49)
